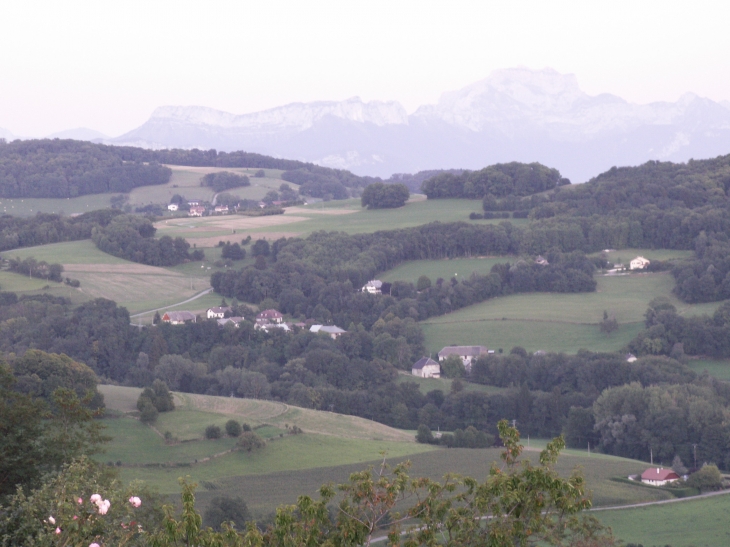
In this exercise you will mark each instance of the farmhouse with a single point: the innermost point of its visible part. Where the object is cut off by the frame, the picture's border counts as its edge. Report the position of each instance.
(268, 327)
(542, 261)
(178, 317)
(639, 263)
(217, 313)
(630, 357)
(269, 316)
(172, 207)
(374, 286)
(334, 332)
(467, 354)
(658, 477)
(426, 367)
(235, 321)
(221, 209)
(197, 211)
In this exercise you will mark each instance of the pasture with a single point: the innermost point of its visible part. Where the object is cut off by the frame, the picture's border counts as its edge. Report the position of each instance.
(558, 322)
(185, 181)
(332, 447)
(700, 522)
(719, 368)
(25, 207)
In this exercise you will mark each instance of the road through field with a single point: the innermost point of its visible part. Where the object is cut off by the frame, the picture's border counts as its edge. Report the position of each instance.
(203, 293)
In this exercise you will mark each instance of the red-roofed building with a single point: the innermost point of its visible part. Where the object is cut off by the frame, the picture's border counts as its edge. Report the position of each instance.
(656, 476)
(269, 316)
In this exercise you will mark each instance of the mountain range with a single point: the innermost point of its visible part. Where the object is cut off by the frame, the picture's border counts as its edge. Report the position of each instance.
(515, 114)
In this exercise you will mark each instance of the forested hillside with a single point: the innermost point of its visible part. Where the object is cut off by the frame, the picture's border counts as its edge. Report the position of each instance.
(67, 168)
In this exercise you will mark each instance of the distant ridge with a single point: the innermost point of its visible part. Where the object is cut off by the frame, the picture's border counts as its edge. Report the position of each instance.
(513, 115)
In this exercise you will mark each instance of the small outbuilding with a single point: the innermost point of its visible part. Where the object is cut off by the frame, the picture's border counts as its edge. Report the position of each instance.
(333, 331)
(426, 368)
(178, 317)
(657, 476)
(639, 263)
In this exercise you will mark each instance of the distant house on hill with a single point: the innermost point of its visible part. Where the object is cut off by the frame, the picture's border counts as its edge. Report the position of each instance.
(657, 476)
(639, 263)
(334, 331)
(268, 327)
(374, 286)
(467, 354)
(196, 211)
(217, 313)
(178, 317)
(221, 209)
(426, 367)
(172, 207)
(269, 316)
(630, 357)
(542, 261)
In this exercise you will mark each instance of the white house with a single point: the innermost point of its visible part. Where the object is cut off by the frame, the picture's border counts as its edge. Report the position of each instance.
(221, 209)
(658, 477)
(630, 357)
(172, 207)
(373, 287)
(639, 263)
(426, 367)
(217, 313)
(178, 317)
(268, 327)
(334, 331)
(467, 354)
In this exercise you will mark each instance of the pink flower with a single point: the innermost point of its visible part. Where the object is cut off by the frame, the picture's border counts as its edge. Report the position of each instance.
(96, 498)
(80, 500)
(58, 530)
(104, 507)
(135, 501)
(76, 518)
(93, 545)
(51, 520)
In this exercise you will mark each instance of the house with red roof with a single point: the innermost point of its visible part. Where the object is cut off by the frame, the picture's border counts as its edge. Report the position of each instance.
(656, 476)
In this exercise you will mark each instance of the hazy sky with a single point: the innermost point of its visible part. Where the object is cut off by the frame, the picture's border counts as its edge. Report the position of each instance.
(107, 64)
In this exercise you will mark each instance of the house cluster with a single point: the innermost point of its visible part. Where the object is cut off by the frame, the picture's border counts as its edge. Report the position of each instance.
(196, 209)
(267, 320)
(638, 263)
(428, 368)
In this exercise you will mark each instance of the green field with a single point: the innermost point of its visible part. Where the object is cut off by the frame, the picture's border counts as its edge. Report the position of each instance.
(332, 447)
(71, 252)
(684, 523)
(624, 256)
(557, 322)
(186, 182)
(445, 269)
(24, 207)
(719, 368)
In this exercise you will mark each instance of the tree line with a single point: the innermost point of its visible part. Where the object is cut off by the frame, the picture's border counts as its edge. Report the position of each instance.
(131, 237)
(66, 168)
(224, 180)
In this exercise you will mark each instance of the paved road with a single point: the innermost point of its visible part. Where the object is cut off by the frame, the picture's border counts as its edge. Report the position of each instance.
(206, 291)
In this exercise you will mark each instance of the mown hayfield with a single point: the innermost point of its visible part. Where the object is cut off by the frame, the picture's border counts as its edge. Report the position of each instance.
(699, 522)
(70, 252)
(25, 207)
(265, 492)
(558, 322)
(445, 269)
(531, 335)
(185, 181)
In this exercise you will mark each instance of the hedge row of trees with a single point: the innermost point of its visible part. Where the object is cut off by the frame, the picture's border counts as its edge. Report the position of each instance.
(224, 180)
(66, 168)
(384, 196)
(131, 237)
(502, 179)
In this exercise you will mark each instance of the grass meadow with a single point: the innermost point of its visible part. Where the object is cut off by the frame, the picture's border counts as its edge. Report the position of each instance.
(558, 322)
(25, 207)
(332, 447)
(719, 368)
(699, 522)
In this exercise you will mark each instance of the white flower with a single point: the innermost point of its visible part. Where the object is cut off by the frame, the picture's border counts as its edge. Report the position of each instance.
(104, 507)
(135, 501)
(51, 520)
(58, 530)
(96, 498)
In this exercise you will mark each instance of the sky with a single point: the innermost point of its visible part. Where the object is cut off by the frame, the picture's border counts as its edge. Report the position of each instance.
(107, 65)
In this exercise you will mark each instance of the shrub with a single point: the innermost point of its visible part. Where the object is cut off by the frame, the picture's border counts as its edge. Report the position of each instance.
(233, 428)
(249, 441)
(148, 413)
(226, 509)
(213, 432)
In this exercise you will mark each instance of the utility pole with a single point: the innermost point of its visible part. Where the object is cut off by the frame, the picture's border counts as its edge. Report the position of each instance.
(694, 445)
(651, 452)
